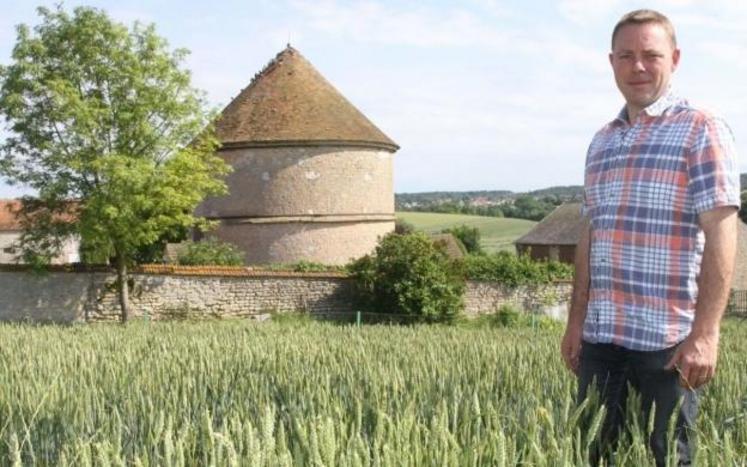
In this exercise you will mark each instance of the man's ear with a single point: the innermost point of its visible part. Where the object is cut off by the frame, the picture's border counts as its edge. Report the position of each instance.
(675, 58)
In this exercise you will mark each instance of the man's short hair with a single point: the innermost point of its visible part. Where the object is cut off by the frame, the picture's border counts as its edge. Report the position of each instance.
(645, 17)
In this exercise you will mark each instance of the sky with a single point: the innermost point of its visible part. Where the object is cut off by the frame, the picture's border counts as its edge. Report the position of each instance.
(479, 94)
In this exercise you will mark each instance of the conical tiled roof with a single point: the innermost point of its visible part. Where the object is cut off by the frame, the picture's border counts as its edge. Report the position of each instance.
(290, 103)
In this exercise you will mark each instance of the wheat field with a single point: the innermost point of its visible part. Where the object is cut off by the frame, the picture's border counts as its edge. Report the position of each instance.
(237, 393)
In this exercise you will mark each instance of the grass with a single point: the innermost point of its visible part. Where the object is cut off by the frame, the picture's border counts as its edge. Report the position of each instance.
(307, 393)
(498, 233)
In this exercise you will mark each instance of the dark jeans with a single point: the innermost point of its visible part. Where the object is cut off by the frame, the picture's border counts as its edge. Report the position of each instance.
(613, 368)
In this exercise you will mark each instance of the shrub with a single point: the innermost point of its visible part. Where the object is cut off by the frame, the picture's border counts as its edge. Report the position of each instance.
(511, 317)
(409, 275)
(469, 236)
(300, 266)
(310, 266)
(211, 252)
(514, 270)
(508, 316)
(402, 227)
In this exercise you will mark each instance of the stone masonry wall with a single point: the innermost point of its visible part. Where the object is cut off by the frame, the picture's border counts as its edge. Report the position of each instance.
(66, 297)
(482, 297)
(300, 181)
(171, 296)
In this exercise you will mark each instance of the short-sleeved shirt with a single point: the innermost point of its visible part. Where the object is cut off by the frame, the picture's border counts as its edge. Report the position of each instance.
(645, 185)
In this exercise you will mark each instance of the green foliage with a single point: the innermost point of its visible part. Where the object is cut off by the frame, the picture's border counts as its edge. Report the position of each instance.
(300, 266)
(409, 275)
(531, 207)
(743, 207)
(513, 270)
(527, 206)
(211, 252)
(468, 235)
(508, 316)
(154, 252)
(402, 227)
(310, 266)
(106, 116)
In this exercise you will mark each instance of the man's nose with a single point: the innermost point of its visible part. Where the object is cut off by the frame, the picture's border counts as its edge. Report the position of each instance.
(638, 65)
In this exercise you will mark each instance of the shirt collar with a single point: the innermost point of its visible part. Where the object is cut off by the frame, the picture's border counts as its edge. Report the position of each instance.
(668, 100)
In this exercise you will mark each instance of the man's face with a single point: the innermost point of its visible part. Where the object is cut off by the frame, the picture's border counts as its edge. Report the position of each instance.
(643, 59)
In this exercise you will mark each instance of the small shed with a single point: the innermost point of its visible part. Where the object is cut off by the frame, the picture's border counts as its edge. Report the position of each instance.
(555, 236)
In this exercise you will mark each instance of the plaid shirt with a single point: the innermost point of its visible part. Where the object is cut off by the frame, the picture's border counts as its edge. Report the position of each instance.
(645, 185)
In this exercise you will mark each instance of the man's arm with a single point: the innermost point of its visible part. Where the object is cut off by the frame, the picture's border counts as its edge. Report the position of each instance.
(570, 347)
(697, 355)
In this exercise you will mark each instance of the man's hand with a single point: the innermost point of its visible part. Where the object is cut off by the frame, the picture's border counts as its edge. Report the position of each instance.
(570, 347)
(695, 359)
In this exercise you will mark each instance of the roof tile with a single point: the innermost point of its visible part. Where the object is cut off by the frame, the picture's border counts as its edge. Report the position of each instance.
(290, 103)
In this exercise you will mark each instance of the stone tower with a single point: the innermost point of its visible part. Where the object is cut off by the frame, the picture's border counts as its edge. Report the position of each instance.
(312, 176)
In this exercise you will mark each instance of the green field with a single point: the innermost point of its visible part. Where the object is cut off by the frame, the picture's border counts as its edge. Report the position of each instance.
(497, 233)
(238, 393)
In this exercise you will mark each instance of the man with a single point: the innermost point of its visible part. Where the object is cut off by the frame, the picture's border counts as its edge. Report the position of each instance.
(654, 264)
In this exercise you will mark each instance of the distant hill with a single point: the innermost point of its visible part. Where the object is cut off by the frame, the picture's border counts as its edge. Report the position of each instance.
(566, 193)
(433, 198)
(407, 201)
(496, 233)
(437, 197)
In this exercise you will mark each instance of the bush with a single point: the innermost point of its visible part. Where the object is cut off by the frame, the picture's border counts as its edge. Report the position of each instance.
(409, 275)
(510, 317)
(300, 266)
(469, 236)
(514, 270)
(211, 252)
(402, 227)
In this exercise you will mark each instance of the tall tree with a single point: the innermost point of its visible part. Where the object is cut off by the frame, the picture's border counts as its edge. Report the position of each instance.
(105, 126)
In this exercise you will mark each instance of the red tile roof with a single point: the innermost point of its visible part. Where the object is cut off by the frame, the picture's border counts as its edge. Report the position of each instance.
(8, 219)
(290, 103)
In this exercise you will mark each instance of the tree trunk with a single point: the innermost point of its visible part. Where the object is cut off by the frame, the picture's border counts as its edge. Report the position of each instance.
(124, 295)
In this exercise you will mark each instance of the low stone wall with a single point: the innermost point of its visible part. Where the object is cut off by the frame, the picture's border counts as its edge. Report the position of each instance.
(174, 296)
(56, 297)
(483, 297)
(166, 292)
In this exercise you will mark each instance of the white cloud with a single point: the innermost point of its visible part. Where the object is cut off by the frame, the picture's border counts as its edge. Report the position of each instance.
(734, 54)
(584, 12)
(372, 22)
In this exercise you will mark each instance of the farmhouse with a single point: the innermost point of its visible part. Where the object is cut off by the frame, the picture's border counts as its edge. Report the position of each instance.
(10, 234)
(312, 176)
